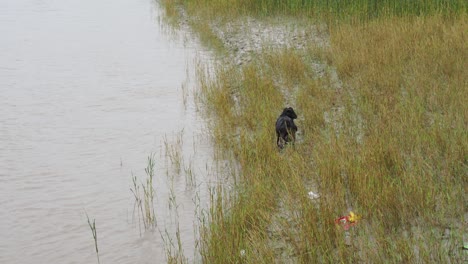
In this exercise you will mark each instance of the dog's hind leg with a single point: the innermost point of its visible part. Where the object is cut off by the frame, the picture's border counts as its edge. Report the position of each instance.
(280, 142)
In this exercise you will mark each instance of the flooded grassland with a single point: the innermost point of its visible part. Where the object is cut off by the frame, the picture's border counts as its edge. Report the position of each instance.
(381, 133)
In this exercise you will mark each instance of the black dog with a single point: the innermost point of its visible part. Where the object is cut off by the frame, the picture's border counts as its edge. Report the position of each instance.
(285, 127)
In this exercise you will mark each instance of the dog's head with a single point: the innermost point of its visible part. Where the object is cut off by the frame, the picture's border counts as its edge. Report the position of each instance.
(289, 112)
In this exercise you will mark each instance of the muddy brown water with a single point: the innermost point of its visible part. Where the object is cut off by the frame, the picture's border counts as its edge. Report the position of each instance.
(88, 90)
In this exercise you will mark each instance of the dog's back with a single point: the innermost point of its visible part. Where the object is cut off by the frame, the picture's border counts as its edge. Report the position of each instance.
(283, 124)
(285, 127)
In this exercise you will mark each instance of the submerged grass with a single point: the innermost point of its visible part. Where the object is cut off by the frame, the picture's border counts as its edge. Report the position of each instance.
(143, 194)
(389, 140)
(94, 232)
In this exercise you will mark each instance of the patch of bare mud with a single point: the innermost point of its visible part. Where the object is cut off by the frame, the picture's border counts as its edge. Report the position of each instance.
(244, 39)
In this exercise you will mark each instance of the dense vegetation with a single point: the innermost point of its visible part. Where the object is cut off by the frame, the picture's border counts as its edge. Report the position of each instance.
(387, 140)
(333, 9)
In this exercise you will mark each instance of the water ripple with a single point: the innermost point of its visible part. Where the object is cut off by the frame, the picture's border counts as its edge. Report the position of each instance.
(85, 97)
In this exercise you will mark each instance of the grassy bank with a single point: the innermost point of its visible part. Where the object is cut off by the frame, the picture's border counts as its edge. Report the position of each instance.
(325, 9)
(387, 138)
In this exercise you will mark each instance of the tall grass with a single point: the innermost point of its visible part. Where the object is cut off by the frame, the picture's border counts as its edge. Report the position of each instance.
(399, 159)
(362, 10)
(409, 81)
(390, 143)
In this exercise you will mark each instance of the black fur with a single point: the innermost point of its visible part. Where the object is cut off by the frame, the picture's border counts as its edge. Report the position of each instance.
(285, 127)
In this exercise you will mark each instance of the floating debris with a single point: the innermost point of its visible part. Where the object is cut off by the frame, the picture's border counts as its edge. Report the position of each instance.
(348, 221)
(313, 195)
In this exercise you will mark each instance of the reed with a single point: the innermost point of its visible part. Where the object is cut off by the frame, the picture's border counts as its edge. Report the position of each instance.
(173, 151)
(94, 231)
(143, 194)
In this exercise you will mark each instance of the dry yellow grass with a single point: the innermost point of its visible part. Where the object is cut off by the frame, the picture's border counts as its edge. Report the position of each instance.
(407, 83)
